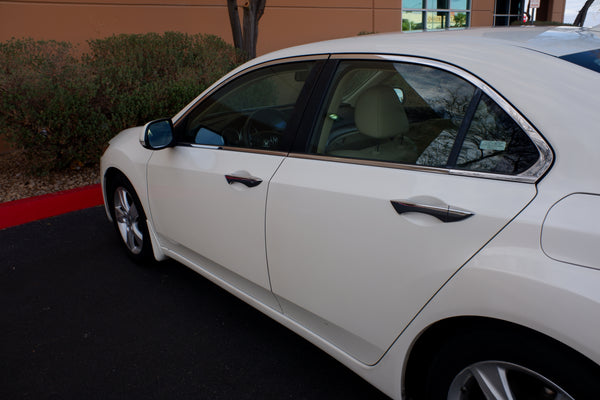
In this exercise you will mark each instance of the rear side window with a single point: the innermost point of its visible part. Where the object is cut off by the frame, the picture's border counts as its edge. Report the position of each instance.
(495, 143)
(416, 114)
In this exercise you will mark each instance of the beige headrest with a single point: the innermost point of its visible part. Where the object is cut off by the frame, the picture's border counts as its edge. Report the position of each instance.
(379, 113)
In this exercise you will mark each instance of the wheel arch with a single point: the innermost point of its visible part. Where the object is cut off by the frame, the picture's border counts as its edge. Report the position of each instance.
(431, 340)
(111, 175)
(107, 178)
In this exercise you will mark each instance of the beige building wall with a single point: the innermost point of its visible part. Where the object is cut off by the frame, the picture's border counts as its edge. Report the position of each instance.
(78, 21)
(482, 12)
(284, 23)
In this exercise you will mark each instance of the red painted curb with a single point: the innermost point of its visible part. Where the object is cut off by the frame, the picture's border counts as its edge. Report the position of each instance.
(31, 209)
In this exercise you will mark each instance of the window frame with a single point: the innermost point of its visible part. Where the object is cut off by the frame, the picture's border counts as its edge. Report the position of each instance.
(310, 122)
(510, 17)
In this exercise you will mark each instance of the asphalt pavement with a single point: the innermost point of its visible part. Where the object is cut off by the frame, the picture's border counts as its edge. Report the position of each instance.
(79, 320)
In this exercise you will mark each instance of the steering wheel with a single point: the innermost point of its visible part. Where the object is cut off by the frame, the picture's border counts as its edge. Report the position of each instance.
(263, 128)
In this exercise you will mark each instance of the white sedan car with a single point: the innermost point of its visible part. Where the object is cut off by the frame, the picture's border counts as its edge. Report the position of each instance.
(423, 207)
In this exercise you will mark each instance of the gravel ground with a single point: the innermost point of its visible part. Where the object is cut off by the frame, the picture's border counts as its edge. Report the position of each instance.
(16, 183)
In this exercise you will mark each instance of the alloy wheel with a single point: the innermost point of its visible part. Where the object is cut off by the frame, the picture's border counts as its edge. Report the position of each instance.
(128, 221)
(498, 380)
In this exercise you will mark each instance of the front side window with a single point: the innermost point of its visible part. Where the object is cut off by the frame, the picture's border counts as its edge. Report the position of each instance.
(252, 111)
(421, 115)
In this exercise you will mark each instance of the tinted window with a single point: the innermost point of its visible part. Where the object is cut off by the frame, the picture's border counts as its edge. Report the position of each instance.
(415, 114)
(252, 111)
(587, 59)
(495, 143)
(390, 111)
(492, 142)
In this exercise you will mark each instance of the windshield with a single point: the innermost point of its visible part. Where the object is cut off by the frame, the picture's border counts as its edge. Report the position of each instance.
(587, 59)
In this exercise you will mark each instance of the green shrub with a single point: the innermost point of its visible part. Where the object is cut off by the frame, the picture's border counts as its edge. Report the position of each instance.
(62, 108)
(143, 77)
(43, 92)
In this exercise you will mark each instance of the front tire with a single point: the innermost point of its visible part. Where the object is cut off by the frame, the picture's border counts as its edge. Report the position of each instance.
(129, 220)
(505, 365)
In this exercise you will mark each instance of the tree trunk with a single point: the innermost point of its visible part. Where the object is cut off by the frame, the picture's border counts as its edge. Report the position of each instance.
(580, 19)
(253, 11)
(260, 10)
(246, 38)
(234, 21)
(249, 29)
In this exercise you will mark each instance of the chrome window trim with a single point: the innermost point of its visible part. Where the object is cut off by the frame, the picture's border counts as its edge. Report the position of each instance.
(532, 175)
(203, 146)
(238, 149)
(413, 167)
(372, 163)
(255, 151)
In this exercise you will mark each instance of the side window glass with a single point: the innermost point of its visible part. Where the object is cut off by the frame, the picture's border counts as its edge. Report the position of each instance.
(496, 143)
(391, 112)
(252, 111)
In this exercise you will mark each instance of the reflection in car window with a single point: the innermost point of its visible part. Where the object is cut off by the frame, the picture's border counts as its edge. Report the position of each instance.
(587, 59)
(390, 111)
(495, 143)
(416, 114)
(252, 111)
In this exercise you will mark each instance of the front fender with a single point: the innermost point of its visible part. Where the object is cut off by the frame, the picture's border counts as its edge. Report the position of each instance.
(126, 155)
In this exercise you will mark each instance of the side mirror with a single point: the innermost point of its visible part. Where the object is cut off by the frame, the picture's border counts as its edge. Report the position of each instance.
(157, 134)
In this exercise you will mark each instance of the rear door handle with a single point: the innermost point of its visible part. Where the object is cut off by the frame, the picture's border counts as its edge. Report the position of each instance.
(443, 213)
(248, 181)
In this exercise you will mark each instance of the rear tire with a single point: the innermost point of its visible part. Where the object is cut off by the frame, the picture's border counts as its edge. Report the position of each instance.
(129, 219)
(497, 364)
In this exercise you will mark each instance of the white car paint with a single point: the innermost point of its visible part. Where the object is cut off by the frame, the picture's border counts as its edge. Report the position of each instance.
(187, 191)
(331, 260)
(339, 251)
(563, 243)
(126, 154)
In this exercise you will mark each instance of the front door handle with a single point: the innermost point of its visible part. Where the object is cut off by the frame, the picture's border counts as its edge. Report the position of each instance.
(443, 213)
(249, 181)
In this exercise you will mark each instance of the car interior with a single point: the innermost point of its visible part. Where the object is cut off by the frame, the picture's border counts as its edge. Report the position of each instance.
(375, 114)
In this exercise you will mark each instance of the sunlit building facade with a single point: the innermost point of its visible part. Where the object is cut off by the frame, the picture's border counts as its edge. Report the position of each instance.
(284, 23)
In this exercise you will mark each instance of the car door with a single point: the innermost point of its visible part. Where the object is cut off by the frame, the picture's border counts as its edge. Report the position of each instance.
(411, 167)
(207, 193)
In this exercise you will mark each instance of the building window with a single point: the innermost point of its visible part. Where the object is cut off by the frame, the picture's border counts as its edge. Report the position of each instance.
(430, 15)
(508, 11)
